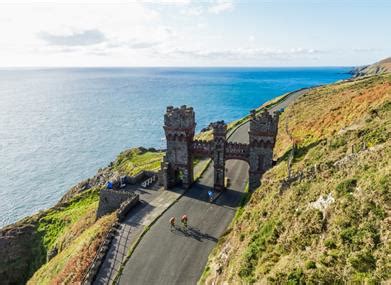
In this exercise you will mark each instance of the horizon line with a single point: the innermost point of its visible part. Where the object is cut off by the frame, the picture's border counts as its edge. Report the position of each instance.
(179, 66)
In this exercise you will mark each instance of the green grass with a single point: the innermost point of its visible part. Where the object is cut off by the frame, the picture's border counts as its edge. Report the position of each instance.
(69, 266)
(344, 129)
(134, 160)
(63, 226)
(57, 221)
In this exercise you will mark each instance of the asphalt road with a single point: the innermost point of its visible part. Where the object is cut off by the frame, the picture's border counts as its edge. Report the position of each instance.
(179, 256)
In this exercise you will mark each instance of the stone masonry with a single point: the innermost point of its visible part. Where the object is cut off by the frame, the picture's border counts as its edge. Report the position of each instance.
(179, 127)
(111, 200)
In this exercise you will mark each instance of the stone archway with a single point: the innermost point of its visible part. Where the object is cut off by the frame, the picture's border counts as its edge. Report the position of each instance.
(179, 127)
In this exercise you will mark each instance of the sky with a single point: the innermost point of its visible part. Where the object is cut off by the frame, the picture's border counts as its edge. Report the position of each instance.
(194, 33)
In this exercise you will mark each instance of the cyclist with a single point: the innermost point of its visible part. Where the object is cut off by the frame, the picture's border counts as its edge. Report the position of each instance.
(172, 223)
(210, 195)
(184, 220)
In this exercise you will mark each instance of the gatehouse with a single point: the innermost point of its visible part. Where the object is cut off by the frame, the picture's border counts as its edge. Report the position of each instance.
(179, 127)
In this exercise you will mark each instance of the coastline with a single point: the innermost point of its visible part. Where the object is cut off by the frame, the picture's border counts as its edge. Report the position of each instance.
(26, 227)
(53, 149)
(104, 172)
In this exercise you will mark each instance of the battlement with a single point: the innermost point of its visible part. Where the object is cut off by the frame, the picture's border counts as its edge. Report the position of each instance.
(179, 127)
(264, 124)
(219, 128)
(179, 118)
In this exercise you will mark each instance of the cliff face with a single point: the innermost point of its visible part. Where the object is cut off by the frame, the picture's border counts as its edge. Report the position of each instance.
(383, 66)
(20, 253)
(329, 222)
(59, 234)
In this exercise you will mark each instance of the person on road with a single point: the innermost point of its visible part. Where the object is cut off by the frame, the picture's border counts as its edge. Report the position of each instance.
(172, 223)
(210, 195)
(184, 221)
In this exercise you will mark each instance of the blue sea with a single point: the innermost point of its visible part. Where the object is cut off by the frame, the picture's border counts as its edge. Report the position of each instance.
(58, 126)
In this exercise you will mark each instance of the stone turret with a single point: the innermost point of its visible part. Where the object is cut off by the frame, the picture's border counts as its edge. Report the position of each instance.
(262, 137)
(178, 121)
(179, 128)
(219, 142)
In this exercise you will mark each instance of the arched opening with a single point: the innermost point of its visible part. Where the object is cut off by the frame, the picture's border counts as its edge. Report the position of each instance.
(179, 176)
(236, 173)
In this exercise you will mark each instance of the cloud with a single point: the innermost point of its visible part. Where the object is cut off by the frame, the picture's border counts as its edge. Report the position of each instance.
(365, 50)
(169, 2)
(133, 44)
(143, 45)
(242, 53)
(197, 8)
(84, 38)
(192, 11)
(221, 6)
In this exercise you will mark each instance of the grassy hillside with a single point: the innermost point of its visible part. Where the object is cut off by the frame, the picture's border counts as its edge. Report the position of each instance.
(68, 228)
(380, 67)
(332, 222)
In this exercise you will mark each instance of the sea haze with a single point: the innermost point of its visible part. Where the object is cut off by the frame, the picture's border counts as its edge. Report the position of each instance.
(58, 126)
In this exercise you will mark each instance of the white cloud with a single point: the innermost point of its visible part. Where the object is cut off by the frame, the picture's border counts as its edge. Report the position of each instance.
(192, 11)
(137, 33)
(221, 6)
(168, 2)
(241, 53)
(83, 38)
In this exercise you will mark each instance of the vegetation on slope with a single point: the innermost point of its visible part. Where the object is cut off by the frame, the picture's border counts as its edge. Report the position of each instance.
(332, 223)
(134, 160)
(67, 231)
(71, 264)
(380, 67)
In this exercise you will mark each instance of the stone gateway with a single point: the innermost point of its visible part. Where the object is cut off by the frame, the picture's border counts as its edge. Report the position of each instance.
(179, 127)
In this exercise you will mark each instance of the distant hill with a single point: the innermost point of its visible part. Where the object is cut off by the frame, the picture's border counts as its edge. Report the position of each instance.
(383, 66)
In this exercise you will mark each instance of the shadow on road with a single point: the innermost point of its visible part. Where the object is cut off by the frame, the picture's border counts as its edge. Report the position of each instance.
(194, 233)
(229, 197)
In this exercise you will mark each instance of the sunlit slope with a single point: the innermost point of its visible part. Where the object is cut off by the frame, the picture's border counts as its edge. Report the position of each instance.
(67, 233)
(330, 222)
(380, 67)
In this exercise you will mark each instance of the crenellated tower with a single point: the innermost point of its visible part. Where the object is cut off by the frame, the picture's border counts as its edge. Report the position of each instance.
(179, 128)
(262, 138)
(219, 143)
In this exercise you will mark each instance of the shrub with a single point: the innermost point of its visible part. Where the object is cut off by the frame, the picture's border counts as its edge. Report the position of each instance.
(310, 264)
(330, 244)
(385, 184)
(346, 186)
(255, 249)
(363, 261)
(296, 276)
(347, 235)
(337, 142)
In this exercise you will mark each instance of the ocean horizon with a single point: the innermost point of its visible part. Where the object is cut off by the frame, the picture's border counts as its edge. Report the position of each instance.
(60, 125)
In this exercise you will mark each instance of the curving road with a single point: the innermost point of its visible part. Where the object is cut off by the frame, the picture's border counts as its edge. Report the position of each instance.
(179, 257)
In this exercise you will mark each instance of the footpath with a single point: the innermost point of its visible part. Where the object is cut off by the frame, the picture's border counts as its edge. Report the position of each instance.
(137, 222)
(153, 206)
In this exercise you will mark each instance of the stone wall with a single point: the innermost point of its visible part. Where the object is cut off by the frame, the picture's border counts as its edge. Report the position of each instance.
(179, 128)
(122, 212)
(111, 200)
(179, 125)
(126, 207)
